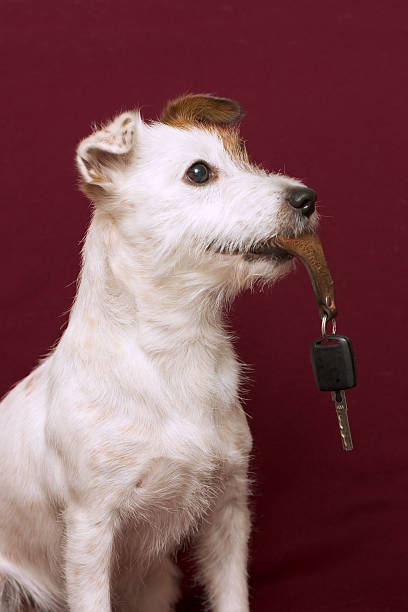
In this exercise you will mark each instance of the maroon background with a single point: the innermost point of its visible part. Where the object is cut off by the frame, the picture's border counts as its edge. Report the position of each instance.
(324, 88)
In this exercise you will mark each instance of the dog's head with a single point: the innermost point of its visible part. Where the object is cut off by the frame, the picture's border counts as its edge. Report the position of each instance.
(184, 194)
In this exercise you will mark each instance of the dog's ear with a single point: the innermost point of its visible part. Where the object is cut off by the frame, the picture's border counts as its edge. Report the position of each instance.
(105, 153)
(201, 108)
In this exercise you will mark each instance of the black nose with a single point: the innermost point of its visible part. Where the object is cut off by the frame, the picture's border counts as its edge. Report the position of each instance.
(303, 199)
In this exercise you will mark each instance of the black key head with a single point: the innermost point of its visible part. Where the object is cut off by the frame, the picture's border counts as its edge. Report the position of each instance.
(333, 363)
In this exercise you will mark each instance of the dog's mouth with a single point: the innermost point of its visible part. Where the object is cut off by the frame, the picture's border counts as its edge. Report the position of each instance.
(307, 248)
(264, 250)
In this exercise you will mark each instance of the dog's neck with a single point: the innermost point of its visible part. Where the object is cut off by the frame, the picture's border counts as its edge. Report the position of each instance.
(123, 319)
(121, 303)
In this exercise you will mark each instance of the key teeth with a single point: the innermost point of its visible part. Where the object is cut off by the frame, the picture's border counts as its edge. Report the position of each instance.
(342, 417)
(345, 437)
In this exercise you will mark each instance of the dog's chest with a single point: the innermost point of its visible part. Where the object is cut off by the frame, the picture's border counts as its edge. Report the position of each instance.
(168, 456)
(186, 459)
(178, 485)
(195, 442)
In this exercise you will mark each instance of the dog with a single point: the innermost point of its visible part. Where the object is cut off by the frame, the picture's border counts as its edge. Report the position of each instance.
(129, 439)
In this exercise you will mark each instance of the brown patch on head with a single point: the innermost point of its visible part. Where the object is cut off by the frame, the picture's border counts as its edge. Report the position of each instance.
(233, 143)
(213, 114)
(201, 108)
(126, 121)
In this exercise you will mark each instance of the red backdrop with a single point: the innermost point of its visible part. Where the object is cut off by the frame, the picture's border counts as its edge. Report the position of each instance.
(324, 88)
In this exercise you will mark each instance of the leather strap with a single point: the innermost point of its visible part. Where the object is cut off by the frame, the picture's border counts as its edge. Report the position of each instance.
(308, 248)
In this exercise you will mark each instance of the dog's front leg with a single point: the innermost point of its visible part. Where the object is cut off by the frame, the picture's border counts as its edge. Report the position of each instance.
(223, 549)
(87, 560)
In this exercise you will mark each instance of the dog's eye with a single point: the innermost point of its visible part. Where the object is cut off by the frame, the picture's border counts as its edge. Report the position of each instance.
(198, 173)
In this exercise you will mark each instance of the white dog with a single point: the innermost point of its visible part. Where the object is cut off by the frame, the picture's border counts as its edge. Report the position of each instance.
(130, 438)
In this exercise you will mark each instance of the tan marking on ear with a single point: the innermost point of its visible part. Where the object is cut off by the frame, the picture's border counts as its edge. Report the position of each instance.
(108, 139)
(126, 121)
(94, 192)
(97, 177)
(201, 108)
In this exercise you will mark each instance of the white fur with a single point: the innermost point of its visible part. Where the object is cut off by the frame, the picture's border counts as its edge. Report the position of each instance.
(130, 438)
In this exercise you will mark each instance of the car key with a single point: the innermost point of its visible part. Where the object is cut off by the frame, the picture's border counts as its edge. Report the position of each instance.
(334, 369)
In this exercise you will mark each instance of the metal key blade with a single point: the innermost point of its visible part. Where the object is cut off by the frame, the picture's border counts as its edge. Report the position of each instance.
(340, 402)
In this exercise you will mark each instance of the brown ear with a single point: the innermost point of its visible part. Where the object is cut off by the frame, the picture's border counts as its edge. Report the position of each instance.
(201, 108)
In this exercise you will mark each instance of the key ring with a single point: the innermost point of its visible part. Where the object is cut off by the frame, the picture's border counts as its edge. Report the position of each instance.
(324, 321)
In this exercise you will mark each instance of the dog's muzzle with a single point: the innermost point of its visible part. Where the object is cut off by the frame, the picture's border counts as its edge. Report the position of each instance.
(302, 199)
